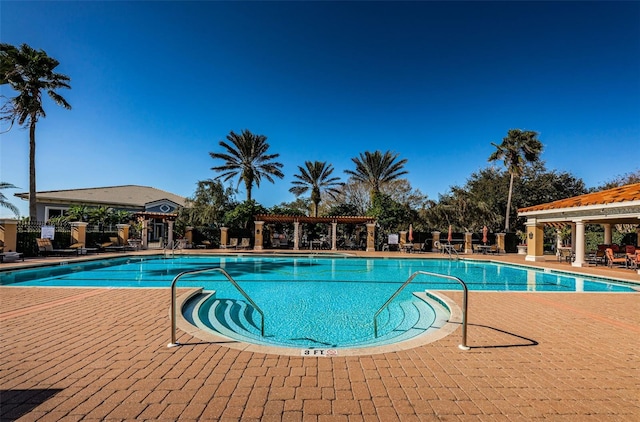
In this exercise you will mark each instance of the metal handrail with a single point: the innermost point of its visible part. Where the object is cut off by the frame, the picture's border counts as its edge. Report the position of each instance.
(463, 345)
(173, 300)
(450, 248)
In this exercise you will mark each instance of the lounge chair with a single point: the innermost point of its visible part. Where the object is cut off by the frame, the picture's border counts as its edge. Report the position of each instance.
(45, 248)
(244, 244)
(115, 246)
(233, 244)
(205, 244)
(611, 259)
(597, 258)
(11, 256)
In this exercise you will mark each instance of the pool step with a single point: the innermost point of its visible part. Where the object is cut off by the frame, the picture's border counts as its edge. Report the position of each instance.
(238, 320)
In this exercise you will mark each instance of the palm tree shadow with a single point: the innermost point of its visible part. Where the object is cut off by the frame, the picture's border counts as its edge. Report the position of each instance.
(17, 403)
(529, 342)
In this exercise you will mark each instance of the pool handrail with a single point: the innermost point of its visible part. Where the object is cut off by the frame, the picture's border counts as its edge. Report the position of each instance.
(233, 282)
(463, 344)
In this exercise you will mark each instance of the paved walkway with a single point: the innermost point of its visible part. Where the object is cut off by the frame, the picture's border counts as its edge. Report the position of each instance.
(100, 354)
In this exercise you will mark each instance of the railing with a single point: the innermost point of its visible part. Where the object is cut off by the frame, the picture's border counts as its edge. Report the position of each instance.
(450, 249)
(173, 300)
(172, 247)
(463, 345)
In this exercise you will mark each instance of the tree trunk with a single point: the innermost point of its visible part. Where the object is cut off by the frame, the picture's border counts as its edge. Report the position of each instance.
(33, 211)
(248, 186)
(506, 219)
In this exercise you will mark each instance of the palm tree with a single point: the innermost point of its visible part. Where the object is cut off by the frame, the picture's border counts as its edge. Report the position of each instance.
(4, 202)
(517, 149)
(376, 169)
(317, 177)
(29, 72)
(246, 157)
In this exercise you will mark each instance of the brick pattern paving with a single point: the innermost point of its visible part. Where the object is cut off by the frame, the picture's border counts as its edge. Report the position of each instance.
(103, 356)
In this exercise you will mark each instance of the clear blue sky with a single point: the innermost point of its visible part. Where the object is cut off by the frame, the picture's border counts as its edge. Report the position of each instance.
(156, 86)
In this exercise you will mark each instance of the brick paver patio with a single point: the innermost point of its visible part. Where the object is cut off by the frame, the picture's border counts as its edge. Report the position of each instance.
(100, 354)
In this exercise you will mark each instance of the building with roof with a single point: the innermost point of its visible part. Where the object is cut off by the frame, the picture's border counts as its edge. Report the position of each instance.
(132, 198)
(620, 205)
(155, 207)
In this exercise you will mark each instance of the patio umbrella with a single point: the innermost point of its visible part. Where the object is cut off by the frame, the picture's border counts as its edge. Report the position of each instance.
(410, 232)
(485, 230)
(450, 236)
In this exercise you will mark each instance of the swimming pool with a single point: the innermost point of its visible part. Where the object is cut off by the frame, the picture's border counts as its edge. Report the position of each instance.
(309, 301)
(158, 272)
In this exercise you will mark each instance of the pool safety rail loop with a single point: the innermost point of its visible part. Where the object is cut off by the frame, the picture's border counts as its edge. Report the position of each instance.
(173, 300)
(462, 345)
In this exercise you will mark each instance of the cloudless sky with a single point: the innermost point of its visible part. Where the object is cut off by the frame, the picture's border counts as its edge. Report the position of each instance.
(156, 86)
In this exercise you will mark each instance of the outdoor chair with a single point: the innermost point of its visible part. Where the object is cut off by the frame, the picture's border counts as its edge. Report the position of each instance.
(11, 256)
(45, 248)
(115, 245)
(233, 243)
(245, 243)
(611, 259)
(598, 257)
(565, 254)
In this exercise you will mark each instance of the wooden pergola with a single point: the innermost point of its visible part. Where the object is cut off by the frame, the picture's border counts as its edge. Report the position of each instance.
(296, 220)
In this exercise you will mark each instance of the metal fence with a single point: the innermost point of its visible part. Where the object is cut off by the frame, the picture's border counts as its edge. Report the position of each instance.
(29, 231)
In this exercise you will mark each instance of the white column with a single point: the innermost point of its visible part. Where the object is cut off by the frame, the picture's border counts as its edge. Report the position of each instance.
(145, 234)
(579, 244)
(296, 235)
(573, 237)
(558, 241)
(607, 234)
(170, 233)
(334, 232)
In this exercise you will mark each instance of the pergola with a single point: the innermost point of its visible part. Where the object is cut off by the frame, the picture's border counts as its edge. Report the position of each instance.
(261, 219)
(609, 207)
(147, 217)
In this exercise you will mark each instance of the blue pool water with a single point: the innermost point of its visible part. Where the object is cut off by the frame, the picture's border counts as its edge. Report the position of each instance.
(308, 301)
(156, 272)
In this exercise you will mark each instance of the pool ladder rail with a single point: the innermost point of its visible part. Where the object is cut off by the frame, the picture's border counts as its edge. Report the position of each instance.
(170, 248)
(463, 344)
(174, 311)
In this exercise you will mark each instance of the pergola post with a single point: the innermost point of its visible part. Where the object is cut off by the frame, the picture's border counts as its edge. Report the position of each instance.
(371, 237)
(170, 233)
(334, 232)
(296, 235)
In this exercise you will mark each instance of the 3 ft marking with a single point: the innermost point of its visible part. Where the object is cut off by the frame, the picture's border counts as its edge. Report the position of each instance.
(319, 352)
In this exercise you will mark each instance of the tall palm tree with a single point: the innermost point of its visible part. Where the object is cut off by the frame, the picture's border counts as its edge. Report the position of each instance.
(4, 202)
(246, 157)
(29, 73)
(317, 177)
(517, 149)
(375, 169)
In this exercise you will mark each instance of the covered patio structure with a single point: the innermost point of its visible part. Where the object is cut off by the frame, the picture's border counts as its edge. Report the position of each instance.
(296, 220)
(607, 208)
